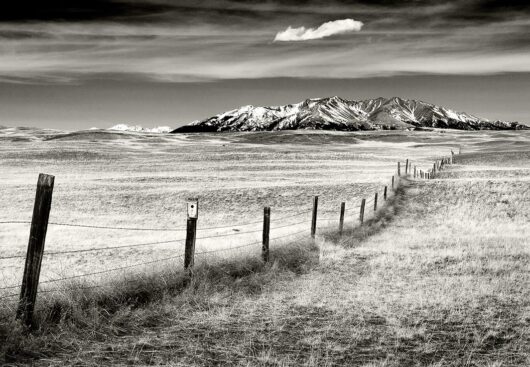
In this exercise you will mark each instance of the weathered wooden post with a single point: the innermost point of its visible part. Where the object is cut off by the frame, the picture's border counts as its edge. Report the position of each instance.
(191, 234)
(384, 193)
(433, 169)
(399, 169)
(361, 213)
(314, 217)
(406, 167)
(266, 233)
(452, 155)
(375, 202)
(341, 219)
(37, 238)
(392, 182)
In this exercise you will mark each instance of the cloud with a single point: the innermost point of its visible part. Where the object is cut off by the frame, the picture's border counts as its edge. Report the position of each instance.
(325, 30)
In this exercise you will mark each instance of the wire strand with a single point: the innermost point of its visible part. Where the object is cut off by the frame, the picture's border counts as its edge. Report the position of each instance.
(110, 270)
(110, 247)
(228, 248)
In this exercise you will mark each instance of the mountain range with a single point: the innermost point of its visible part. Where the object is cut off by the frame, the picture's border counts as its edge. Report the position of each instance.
(335, 113)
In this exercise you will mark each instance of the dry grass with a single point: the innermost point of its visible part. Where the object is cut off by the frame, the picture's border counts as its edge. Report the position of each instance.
(439, 278)
(81, 314)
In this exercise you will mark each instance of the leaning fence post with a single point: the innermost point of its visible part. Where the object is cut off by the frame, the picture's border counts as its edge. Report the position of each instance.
(399, 168)
(266, 233)
(314, 217)
(384, 193)
(375, 202)
(361, 213)
(191, 233)
(406, 167)
(341, 219)
(37, 238)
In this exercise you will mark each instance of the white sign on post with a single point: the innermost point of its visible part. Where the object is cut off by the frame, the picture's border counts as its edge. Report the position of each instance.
(193, 208)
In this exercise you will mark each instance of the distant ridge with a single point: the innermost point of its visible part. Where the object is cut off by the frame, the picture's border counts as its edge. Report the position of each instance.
(335, 113)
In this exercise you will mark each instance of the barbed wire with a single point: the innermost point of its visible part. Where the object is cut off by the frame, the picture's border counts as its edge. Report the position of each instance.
(227, 248)
(110, 247)
(289, 224)
(9, 295)
(10, 287)
(177, 229)
(12, 257)
(139, 264)
(110, 270)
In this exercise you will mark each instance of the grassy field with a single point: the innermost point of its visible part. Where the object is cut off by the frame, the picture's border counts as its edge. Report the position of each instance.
(143, 181)
(439, 278)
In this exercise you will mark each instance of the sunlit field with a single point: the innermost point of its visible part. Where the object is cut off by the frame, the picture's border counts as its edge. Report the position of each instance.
(142, 181)
(438, 278)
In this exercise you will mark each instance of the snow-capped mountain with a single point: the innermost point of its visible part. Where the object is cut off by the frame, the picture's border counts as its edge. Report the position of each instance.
(335, 113)
(136, 128)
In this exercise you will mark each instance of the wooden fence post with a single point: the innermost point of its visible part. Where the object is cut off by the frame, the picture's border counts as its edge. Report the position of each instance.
(392, 182)
(452, 154)
(37, 238)
(414, 171)
(266, 233)
(384, 193)
(361, 213)
(375, 202)
(406, 167)
(399, 168)
(314, 217)
(191, 234)
(341, 219)
(433, 169)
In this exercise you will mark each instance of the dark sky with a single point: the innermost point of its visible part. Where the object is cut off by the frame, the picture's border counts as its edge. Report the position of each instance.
(81, 63)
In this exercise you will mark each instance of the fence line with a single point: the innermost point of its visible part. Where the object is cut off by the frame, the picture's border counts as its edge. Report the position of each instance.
(39, 225)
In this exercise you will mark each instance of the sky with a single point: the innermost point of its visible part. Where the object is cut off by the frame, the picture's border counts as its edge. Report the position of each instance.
(74, 64)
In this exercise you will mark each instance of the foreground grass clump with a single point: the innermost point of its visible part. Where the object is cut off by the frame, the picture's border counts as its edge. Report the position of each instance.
(84, 313)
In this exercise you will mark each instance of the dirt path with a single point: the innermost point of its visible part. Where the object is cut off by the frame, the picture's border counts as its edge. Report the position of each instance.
(444, 284)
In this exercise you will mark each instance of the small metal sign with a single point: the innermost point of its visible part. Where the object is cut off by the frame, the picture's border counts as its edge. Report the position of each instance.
(193, 208)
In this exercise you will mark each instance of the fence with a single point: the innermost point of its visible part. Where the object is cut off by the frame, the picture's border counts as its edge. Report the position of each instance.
(40, 222)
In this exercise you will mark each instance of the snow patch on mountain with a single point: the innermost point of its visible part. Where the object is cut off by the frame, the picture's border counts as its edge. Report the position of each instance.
(140, 129)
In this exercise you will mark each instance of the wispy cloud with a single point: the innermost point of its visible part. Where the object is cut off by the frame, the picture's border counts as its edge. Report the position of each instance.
(185, 40)
(325, 30)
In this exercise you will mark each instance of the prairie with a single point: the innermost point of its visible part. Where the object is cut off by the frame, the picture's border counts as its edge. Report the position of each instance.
(142, 181)
(437, 278)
